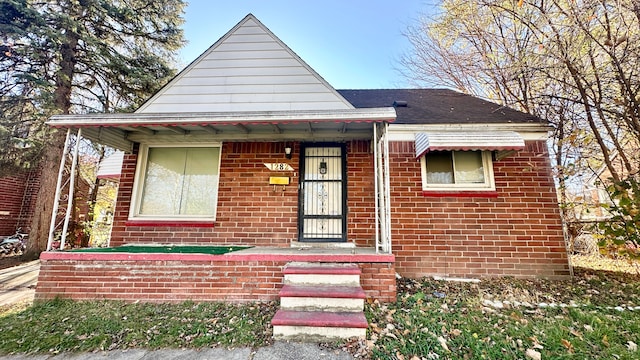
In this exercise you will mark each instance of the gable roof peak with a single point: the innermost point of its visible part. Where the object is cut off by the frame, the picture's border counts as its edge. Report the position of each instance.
(248, 69)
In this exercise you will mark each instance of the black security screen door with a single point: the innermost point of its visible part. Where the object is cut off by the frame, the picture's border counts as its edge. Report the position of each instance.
(322, 205)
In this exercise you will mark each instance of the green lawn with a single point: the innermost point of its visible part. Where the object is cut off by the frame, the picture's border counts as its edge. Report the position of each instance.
(494, 319)
(63, 325)
(503, 319)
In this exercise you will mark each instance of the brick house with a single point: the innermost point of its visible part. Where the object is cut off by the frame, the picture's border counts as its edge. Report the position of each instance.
(17, 201)
(18, 195)
(249, 146)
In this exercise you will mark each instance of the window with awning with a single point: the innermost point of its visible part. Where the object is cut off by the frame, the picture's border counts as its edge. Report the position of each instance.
(444, 170)
(461, 160)
(467, 141)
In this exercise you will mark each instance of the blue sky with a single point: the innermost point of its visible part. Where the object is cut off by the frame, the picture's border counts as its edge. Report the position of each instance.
(353, 44)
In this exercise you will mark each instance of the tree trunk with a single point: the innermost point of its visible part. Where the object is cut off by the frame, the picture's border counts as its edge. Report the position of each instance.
(39, 234)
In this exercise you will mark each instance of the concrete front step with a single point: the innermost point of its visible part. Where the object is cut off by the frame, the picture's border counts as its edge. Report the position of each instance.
(321, 268)
(322, 298)
(324, 291)
(318, 325)
(322, 274)
(320, 301)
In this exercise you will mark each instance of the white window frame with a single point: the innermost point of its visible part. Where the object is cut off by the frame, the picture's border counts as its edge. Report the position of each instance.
(489, 181)
(138, 183)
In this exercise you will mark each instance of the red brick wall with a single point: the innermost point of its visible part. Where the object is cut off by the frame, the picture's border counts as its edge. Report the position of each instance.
(379, 281)
(518, 233)
(176, 281)
(250, 211)
(17, 197)
(361, 196)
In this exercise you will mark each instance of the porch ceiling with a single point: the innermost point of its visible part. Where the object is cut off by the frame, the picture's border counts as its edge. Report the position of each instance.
(122, 130)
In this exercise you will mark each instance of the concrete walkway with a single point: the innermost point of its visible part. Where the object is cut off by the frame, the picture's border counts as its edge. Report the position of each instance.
(18, 284)
(278, 351)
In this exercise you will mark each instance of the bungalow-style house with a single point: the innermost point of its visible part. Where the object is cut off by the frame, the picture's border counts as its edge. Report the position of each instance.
(249, 146)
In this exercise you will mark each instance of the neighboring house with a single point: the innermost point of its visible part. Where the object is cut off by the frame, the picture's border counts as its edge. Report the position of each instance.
(17, 201)
(108, 176)
(18, 194)
(250, 146)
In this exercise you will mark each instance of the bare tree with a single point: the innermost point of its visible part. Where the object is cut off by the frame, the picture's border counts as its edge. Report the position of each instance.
(574, 63)
(571, 62)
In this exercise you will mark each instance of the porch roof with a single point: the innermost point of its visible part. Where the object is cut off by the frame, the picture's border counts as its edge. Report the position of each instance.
(122, 130)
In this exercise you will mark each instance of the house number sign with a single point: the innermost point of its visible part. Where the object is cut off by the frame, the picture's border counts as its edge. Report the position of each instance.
(278, 166)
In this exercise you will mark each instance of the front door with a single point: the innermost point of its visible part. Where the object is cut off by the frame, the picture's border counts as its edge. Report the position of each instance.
(323, 185)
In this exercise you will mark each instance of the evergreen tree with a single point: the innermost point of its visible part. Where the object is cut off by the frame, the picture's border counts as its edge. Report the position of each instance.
(75, 56)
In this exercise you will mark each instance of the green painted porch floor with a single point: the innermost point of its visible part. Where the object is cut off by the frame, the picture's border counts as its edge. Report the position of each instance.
(165, 249)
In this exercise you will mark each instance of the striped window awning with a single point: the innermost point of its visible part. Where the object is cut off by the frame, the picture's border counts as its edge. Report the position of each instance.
(467, 140)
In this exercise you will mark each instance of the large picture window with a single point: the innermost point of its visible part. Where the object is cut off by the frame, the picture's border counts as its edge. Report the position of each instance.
(176, 182)
(457, 170)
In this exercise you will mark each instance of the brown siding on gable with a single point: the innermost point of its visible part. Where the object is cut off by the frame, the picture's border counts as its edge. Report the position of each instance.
(250, 211)
(519, 233)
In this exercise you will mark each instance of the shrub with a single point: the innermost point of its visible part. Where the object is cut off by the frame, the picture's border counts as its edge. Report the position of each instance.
(621, 232)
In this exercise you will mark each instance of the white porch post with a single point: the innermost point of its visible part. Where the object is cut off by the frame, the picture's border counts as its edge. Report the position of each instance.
(382, 184)
(72, 180)
(375, 183)
(56, 201)
(387, 189)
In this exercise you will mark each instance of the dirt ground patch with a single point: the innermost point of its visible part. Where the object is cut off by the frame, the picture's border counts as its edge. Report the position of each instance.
(589, 263)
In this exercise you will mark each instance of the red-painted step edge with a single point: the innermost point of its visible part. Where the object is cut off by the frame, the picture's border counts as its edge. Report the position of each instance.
(350, 269)
(323, 291)
(320, 319)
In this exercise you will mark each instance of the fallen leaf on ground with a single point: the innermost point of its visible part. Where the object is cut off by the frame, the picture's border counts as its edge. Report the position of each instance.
(576, 334)
(443, 343)
(532, 354)
(536, 343)
(567, 344)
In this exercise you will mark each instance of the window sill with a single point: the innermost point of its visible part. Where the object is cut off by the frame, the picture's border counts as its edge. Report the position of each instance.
(171, 223)
(460, 193)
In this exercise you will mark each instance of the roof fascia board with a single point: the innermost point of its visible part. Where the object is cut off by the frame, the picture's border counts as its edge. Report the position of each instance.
(297, 135)
(168, 119)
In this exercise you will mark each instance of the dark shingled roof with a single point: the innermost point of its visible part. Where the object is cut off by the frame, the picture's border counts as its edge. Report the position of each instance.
(437, 106)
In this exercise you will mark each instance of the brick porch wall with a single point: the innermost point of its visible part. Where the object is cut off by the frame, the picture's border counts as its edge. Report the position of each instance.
(250, 211)
(203, 278)
(518, 233)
